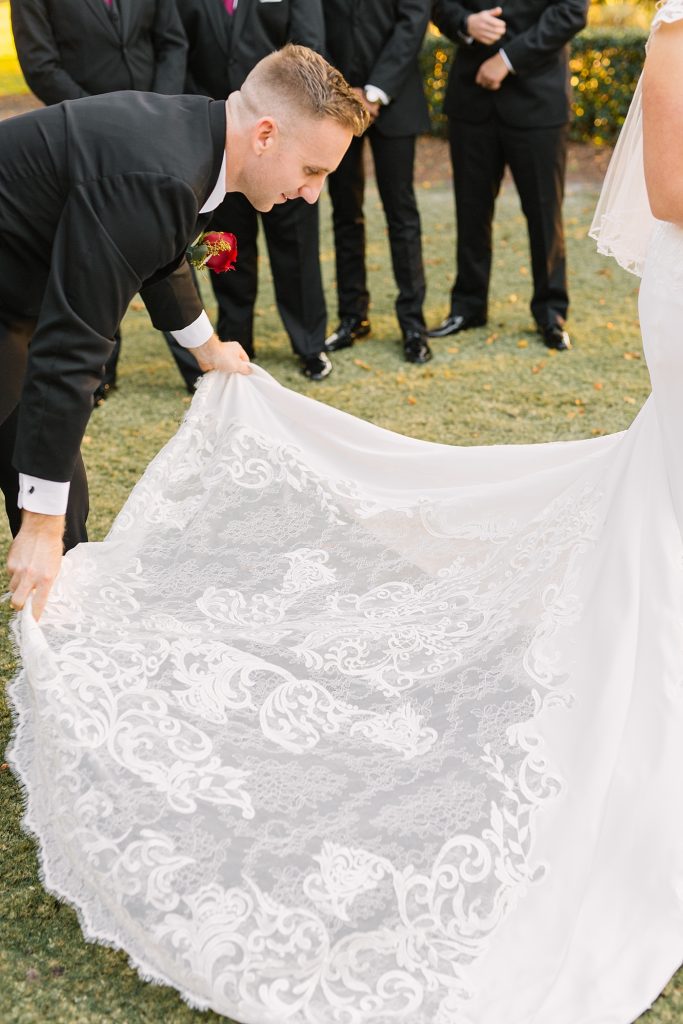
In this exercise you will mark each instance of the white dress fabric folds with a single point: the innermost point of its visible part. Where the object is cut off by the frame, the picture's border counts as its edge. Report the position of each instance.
(341, 727)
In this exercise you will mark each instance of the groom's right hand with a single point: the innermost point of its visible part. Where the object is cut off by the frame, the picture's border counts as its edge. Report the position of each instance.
(34, 559)
(228, 356)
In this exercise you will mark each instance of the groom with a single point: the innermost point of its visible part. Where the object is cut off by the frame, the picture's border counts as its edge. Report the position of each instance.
(99, 199)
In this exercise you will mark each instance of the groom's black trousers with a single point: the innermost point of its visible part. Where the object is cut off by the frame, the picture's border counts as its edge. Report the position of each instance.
(15, 335)
(537, 159)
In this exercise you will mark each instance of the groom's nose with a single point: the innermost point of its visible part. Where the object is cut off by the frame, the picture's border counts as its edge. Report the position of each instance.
(311, 192)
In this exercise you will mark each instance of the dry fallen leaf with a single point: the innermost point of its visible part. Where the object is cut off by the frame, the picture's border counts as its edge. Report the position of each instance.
(487, 387)
(87, 439)
(598, 385)
(363, 366)
(411, 400)
(513, 298)
(631, 355)
(491, 338)
(453, 350)
(137, 306)
(631, 401)
(523, 343)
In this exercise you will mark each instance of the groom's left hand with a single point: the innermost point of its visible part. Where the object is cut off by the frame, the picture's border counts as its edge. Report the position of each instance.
(228, 356)
(34, 559)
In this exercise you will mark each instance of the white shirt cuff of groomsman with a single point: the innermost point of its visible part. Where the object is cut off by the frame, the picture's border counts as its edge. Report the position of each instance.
(373, 93)
(199, 331)
(49, 497)
(506, 61)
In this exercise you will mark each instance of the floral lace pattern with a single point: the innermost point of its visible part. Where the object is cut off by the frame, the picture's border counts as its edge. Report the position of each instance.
(299, 700)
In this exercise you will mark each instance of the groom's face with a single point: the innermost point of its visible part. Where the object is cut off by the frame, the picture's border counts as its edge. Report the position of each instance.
(292, 163)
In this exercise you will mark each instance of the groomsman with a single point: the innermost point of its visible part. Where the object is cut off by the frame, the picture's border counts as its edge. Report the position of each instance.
(227, 38)
(99, 199)
(508, 104)
(68, 49)
(376, 46)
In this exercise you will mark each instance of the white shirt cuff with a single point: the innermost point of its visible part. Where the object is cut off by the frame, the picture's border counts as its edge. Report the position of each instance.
(374, 93)
(49, 497)
(196, 334)
(507, 62)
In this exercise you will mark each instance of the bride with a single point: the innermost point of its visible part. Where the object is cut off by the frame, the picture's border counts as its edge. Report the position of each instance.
(340, 727)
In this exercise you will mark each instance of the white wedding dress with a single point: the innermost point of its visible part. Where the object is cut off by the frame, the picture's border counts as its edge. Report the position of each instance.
(340, 727)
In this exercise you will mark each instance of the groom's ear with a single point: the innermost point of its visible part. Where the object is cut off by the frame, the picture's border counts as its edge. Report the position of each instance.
(265, 135)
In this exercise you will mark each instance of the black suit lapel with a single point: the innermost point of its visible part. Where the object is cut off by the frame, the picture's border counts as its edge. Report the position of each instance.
(102, 14)
(218, 18)
(238, 18)
(125, 14)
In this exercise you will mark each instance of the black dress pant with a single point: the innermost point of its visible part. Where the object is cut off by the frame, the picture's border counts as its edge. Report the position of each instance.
(537, 160)
(15, 335)
(394, 160)
(291, 232)
(186, 363)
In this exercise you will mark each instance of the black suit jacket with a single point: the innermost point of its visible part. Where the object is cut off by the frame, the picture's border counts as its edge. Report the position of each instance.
(99, 199)
(377, 42)
(538, 94)
(224, 48)
(73, 48)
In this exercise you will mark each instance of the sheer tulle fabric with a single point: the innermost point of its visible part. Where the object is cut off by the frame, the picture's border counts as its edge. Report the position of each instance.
(340, 727)
(623, 221)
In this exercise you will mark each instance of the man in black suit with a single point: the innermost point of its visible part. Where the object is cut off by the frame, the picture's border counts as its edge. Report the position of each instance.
(508, 103)
(99, 199)
(68, 49)
(376, 46)
(226, 40)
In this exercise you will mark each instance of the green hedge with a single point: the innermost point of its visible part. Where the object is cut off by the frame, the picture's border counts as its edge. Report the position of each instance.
(605, 65)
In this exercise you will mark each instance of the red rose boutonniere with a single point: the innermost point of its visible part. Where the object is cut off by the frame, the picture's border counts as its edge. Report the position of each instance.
(216, 250)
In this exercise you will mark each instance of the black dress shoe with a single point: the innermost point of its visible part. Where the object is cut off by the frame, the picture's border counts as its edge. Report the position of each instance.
(454, 323)
(554, 336)
(316, 367)
(350, 328)
(416, 347)
(102, 394)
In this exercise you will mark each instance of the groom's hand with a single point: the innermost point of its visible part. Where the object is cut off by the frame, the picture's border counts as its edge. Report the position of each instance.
(34, 559)
(228, 356)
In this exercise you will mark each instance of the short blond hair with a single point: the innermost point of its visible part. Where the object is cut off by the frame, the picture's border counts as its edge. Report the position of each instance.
(303, 82)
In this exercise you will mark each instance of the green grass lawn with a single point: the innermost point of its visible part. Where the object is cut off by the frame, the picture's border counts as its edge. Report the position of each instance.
(495, 384)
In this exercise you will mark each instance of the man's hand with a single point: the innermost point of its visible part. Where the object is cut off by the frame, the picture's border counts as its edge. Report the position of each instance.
(492, 72)
(373, 109)
(34, 559)
(228, 356)
(486, 27)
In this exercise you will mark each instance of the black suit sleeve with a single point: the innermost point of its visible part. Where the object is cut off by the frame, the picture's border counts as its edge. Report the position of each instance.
(112, 236)
(307, 24)
(396, 60)
(449, 17)
(557, 25)
(173, 302)
(170, 46)
(39, 55)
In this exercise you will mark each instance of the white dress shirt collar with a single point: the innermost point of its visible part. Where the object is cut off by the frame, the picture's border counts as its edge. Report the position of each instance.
(218, 194)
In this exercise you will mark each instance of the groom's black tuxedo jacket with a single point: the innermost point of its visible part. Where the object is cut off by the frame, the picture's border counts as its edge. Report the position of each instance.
(99, 199)
(377, 42)
(538, 31)
(224, 48)
(74, 48)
